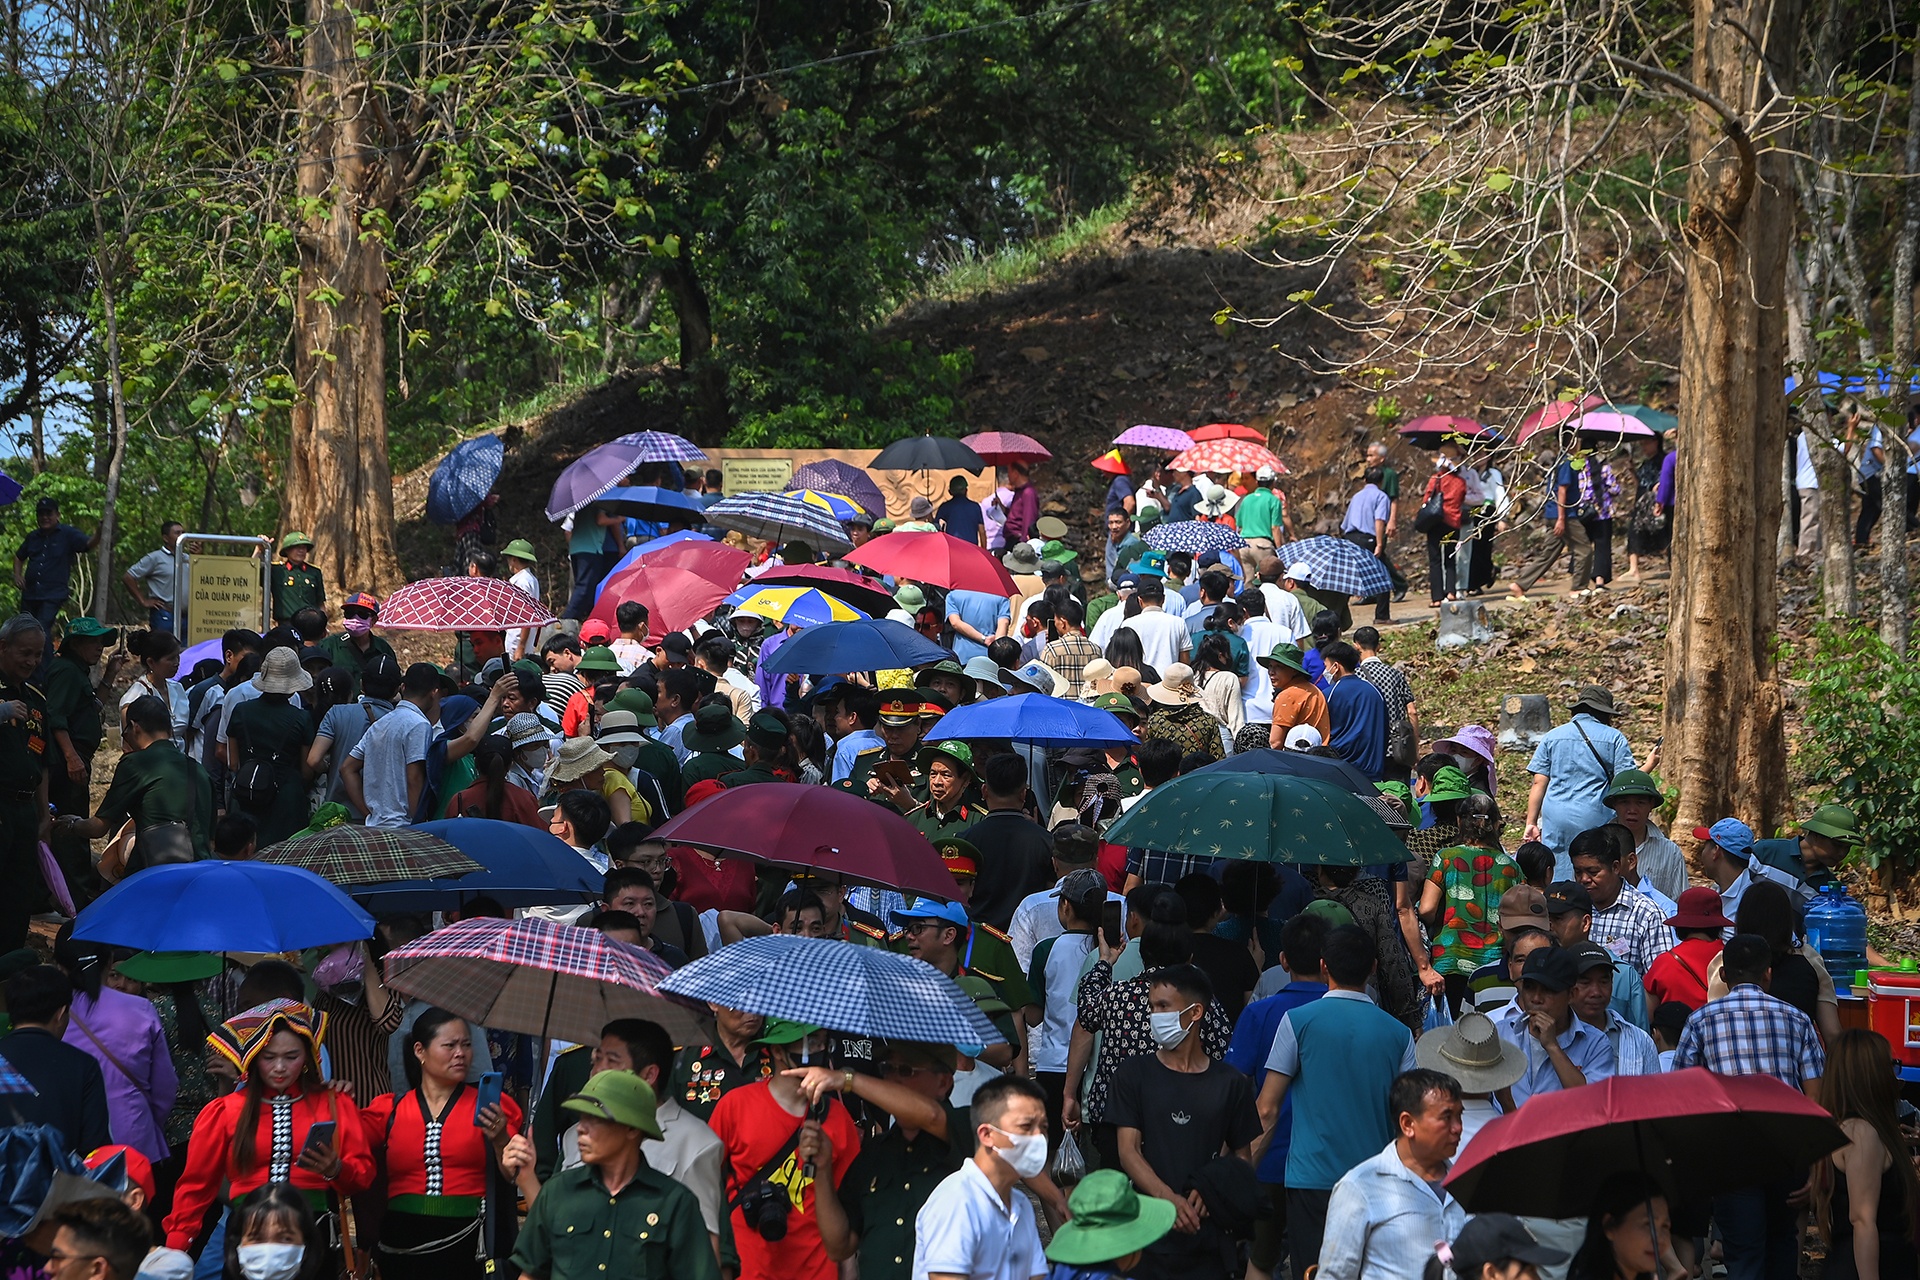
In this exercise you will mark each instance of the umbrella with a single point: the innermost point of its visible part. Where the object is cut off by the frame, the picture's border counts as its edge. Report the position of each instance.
(1110, 462)
(1299, 764)
(1661, 422)
(839, 507)
(779, 517)
(540, 979)
(1149, 437)
(1003, 447)
(717, 562)
(871, 644)
(11, 1081)
(1225, 456)
(348, 854)
(928, 453)
(522, 867)
(1263, 817)
(790, 824)
(1437, 429)
(652, 502)
(222, 906)
(1035, 718)
(193, 655)
(1691, 1131)
(463, 478)
(863, 991)
(1338, 566)
(1194, 536)
(1228, 431)
(1826, 383)
(9, 490)
(938, 559)
(590, 475)
(675, 597)
(1549, 416)
(1606, 422)
(792, 606)
(858, 590)
(662, 446)
(830, 475)
(653, 546)
(461, 604)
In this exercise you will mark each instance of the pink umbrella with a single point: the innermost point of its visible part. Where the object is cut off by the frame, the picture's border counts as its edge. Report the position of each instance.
(1606, 422)
(461, 604)
(935, 558)
(675, 597)
(1227, 455)
(1145, 436)
(1552, 415)
(1003, 447)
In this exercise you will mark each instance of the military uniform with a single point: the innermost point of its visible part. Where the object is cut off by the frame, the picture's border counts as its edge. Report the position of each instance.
(759, 771)
(701, 1079)
(351, 658)
(296, 587)
(651, 1229)
(863, 927)
(26, 760)
(705, 765)
(888, 1183)
(856, 779)
(989, 954)
(935, 825)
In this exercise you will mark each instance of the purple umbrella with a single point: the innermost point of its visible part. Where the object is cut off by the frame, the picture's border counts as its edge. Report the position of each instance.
(591, 475)
(1149, 437)
(833, 476)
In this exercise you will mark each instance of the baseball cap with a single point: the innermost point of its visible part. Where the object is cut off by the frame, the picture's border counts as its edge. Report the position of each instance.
(1300, 571)
(1266, 473)
(1588, 956)
(594, 631)
(1564, 896)
(619, 1096)
(1078, 886)
(1496, 1237)
(361, 600)
(1731, 834)
(1521, 907)
(423, 677)
(678, 646)
(1303, 737)
(134, 1169)
(927, 909)
(783, 1031)
(1551, 967)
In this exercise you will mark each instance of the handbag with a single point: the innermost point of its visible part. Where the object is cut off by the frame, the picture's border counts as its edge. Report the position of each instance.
(161, 844)
(1432, 516)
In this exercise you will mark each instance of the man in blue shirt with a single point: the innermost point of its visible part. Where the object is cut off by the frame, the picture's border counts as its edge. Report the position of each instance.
(1342, 1053)
(978, 618)
(1573, 765)
(1563, 511)
(1356, 713)
(43, 566)
(960, 516)
(1562, 1051)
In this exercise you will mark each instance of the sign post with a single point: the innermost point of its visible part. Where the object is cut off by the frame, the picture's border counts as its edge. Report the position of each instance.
(221, 588)
(754, 475)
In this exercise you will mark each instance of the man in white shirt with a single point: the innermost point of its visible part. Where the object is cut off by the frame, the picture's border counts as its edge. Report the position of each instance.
(151, 578)
(1164, 639)
(1037, 917)
(386, 772)
(975, 1226)
(1386, 1213)
(520, 559)
(1283, 607)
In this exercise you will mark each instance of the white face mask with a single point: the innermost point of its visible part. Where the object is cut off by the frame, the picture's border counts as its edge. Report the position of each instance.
(271, 1261)
(1027, 1155)
(1166, 1028)
(624, 756)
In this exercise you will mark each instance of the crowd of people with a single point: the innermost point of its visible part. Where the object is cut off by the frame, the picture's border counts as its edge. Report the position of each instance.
(1209, 1068)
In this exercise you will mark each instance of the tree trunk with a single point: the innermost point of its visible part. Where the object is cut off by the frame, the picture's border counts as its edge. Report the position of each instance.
(117, 451)
(704, 374)
(339, 484)
(1723, 742)
(1896, 595)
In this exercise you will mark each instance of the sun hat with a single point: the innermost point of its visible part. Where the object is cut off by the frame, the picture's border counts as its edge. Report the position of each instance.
(1334, 913)
(1216, 500)
(910, 597)
(1021, 558)
(639, 703)
(619, 1096)
(927, 909)
(1495, 1238)
(714, 728)
(945, 667)
(1699, 908)
(525, 728)
(282, 673)
(1398, 790)
(784, 1031)
(162, 967)
(1472, 1052)
(1287, 654)
(1118, 704)
(599, 658)
(577, 758)
(1835, 822)
(1176, 687)
(958, 752)
(1110, 1220)
(1303, 737)
(1566, 897)
(1059, 553)
(765, 730)
(85, 628)
(1050, 527)
(982, 671)
(1631, 782)
(1037, 676)
(1596, 699)
(1522, 907)
(921, 507)
(1448, 784)
(1731, 834)
(293, 540)
(618, 729)
(1474, 739)
(1551, 967)
(241, 1038)
(1300, 571)
(521, 549)
(1127, 680)
(1153, 563)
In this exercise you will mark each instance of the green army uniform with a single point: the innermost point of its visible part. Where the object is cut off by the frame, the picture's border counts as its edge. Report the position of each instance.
(705, 765)
(1101, 603)
(571, 1070)
(26, 760)
(989, 954)
(888, 1183)
(1131, 783)
(295, 587)
(657, 758)
(863, 928)
(759, 771)
(73, 706)
(701, 1079)
(935, 825)
(160, 784)
(650, 1230)
(351, 658)
(1308, 604)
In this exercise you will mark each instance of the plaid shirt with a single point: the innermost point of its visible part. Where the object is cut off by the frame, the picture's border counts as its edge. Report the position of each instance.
(1392, 684)
(1155, 867)
(1634, 929)
(1747, 1032)
(1069, 656)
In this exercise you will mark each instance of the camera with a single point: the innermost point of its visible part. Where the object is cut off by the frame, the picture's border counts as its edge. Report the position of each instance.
(765, 1208)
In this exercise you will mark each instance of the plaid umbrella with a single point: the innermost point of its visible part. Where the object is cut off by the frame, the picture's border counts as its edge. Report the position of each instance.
(540, 979)
(463, 478)
(1226, 455)
(1002, 447)
(863, 991)
(662, 446)
(461, 604)
(835, 505)
(1194, 536)
(1338, 566)
(830, 475)
(348, 854)
(778, 517)
(591, 475)
(1151, 437)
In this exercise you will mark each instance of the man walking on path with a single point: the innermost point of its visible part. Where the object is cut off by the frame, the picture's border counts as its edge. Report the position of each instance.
(1573, 765)
(1564, 511)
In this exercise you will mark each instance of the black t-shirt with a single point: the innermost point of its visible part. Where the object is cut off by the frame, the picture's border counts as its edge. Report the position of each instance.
(1184, 1120)
(1229, 966)
(1016, 859)
(1795, 982)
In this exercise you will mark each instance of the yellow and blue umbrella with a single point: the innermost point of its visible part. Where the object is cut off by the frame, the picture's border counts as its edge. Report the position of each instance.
(840, 508)
(792, 606)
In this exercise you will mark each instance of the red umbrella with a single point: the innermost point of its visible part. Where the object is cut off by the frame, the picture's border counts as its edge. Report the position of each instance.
(935, 558)
(1228, 431)
(1690, 1131)
(461, 604)
(717, 562)
(1226, 455)
(1549, 416)
(793, 825)
(858, 590)
(674, 597)
(1002, 447)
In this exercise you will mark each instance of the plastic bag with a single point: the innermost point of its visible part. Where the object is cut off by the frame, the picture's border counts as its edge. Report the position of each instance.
(1069, 1166)
(1438, 1015)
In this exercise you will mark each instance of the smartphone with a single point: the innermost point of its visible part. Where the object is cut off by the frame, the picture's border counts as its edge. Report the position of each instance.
(489, 1095)
(321, 1135)
(1112, 926)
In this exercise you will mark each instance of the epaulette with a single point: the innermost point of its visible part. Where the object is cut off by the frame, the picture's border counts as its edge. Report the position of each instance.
(984, 927)
(878, 935)
(578, 1048)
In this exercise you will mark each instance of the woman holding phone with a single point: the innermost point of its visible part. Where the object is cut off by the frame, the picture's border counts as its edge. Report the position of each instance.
(441, 1141)
(282, 1125)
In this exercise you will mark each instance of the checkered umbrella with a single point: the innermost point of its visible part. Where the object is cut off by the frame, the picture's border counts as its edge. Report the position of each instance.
(349, 854)
(863, 991)
(662, 446)
(779, 517)
(461, 604)
(1227, 455)
(1193, 536)
(540, 979)
(1338, 566)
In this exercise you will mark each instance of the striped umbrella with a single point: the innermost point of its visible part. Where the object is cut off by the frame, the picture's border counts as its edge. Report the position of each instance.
(663, 446)
(1227, 455)
(779, 518)
(792, 606)
(840, 508)
(1146, 436)
(1196, 537)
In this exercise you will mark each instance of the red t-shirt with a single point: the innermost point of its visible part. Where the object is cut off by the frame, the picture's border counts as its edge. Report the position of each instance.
(705, 885)
(1681, 974)
(396, 1131)
(753, 1128)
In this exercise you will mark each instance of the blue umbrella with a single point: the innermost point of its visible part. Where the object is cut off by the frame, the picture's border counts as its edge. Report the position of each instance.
(651, 502)
(647, 548)
(589, 476)
(1339, 567)
(877, 644)
(863, 991)
(525, 867)
(223, 906)
(779, 517)
(1035, 718)
(9, 490)
(662, 446)
(1194, 537)
(463, 478)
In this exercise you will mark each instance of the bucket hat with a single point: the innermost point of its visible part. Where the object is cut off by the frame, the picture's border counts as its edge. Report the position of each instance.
(599, 659)
(945, 667)
(1472, 1052)
(713, 729)
(1153, 563)
(1448, 784)
(618, 729)
(526, 728)
(983, 671)
(1699, 908)
(1596, 699)
(577, 758)
(1059, 552)
(1021, 558)
(282, 673)
(1176, 687)
(1110, 1220)
(619, 1096)
(1287, 655)
(1037, 676)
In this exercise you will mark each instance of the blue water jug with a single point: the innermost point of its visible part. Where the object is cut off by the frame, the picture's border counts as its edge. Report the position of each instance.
(1837, 928)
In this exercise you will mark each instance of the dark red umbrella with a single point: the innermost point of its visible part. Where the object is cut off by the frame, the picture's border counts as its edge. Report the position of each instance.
(794, 825)
(858, 590)
(1552, 414)
(1003, 447)
(674, 597)
(1692, 1132)
(936, 558)
(1436, 429)
(1228, 431)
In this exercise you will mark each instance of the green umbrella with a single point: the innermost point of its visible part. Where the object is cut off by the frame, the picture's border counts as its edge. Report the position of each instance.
(1661, 422)
(1260, 817)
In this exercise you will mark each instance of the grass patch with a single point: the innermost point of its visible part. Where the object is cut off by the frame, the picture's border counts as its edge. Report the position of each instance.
(971, 276)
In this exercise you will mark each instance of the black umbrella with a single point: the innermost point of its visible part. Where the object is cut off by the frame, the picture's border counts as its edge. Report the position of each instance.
(1299, 764)
(927, 453)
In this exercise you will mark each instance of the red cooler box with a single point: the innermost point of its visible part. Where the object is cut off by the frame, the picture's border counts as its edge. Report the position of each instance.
(1893, 1009)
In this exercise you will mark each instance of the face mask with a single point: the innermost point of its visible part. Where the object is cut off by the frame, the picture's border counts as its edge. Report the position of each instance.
(1167, 1031)
(1027, 1155)
(358, 626)
(271, 1261)
(624, 756)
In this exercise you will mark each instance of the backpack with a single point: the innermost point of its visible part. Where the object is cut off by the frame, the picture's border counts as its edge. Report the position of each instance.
(255, 783)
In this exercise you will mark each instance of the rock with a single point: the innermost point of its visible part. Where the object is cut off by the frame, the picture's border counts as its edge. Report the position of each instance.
(1524, 718)
(1463, 622)
(1034, 355)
